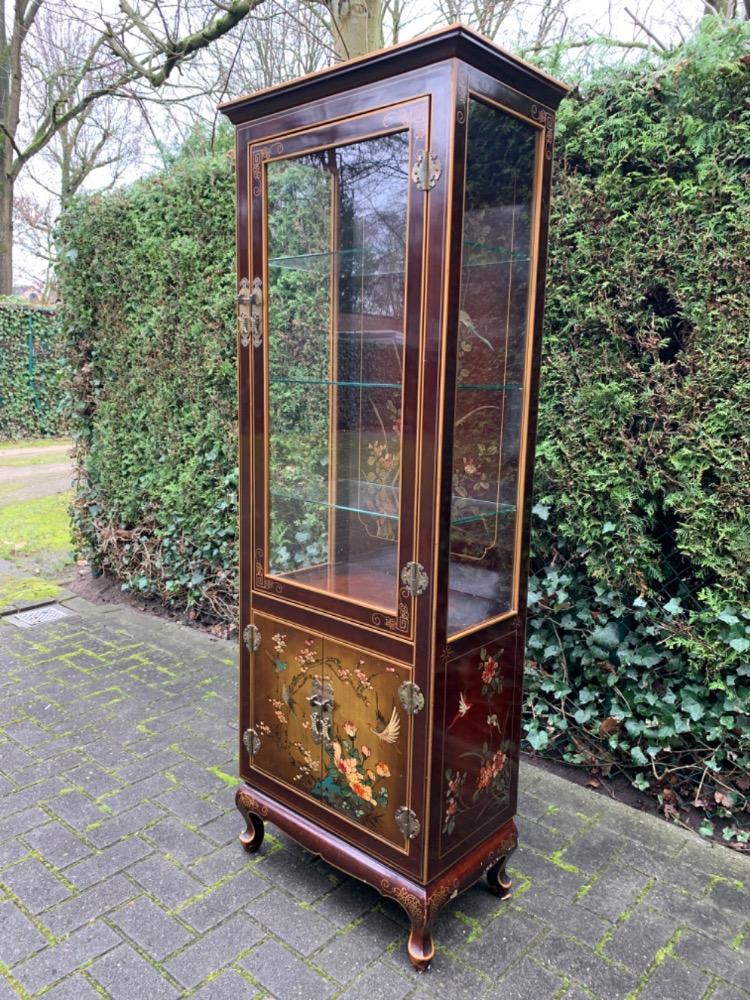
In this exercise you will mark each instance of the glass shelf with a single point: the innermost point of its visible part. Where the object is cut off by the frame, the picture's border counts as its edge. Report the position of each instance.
(283, 380)
(484, 255)
(358, 260)
(364, 496)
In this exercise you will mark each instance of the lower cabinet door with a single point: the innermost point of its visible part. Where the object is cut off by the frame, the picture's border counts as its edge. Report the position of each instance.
(331, 721)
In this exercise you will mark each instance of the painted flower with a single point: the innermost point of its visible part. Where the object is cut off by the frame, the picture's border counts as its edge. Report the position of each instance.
(350, 729)
(366, 751)
(489, 670)
(470, 467)
(281, 717)
(370, 775)
(383, 770)
(279, 642)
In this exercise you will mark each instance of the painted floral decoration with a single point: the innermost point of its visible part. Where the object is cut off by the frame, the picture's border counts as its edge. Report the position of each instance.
(348, 783)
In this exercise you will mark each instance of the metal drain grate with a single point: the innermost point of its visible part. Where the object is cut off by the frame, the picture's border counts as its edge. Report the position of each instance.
(38, 616)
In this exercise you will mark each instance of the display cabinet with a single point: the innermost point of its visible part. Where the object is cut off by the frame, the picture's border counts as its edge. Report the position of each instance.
(391, 233)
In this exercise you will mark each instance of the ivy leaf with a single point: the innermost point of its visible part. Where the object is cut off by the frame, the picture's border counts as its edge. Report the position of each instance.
(706, 829)
(541, 510)
(694, 709)
(638, 755)
(740, 644)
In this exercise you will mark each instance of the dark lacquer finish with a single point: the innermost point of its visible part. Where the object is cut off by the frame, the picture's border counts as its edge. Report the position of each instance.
(391, 239)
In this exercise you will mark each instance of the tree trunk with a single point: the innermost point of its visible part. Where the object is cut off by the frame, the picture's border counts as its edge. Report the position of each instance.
(6, 236)
(357, 27)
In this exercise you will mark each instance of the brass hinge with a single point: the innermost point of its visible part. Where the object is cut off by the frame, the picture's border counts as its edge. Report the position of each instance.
(414, 578)
(250, 312)
(426, 170)
(252, 638)
(411, 697)
(252, 742)
(407, 822)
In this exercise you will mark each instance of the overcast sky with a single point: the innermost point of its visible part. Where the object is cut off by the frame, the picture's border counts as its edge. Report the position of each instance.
(587, 17)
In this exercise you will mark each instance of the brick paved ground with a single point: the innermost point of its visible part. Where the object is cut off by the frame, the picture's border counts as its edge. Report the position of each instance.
(122, 877)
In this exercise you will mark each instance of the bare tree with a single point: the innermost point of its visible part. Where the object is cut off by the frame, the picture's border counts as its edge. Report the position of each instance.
(141, 45)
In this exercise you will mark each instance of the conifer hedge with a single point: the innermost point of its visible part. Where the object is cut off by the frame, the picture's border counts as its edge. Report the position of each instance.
(639, 636)
(31, 371)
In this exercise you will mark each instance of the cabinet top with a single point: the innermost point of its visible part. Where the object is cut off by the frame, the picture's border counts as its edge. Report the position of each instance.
(454, 42)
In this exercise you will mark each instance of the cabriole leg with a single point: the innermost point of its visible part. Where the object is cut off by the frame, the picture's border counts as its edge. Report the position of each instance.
(420, 947)
(252, 837)
(498, 879)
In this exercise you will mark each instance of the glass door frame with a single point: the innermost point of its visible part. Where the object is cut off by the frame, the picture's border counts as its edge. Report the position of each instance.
(475, 85)
(411, 116)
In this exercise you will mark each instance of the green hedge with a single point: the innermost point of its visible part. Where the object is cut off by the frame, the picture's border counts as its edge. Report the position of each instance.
(31, 372)
(639, 625)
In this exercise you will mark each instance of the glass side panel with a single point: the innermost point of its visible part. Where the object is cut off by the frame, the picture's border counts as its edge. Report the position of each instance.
(336, 279)
(491, 360)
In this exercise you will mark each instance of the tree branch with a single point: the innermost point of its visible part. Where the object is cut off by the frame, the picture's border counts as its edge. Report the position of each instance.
(647, 31)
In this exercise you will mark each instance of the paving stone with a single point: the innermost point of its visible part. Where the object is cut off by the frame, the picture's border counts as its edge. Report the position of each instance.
(526, 980)
(379, 982)
(673, 978)
(215, 949)
(712, 956)
(88, 905)
(137, 770)
(346, 953)
(140, 791)
(614, 892)
(186, 804)
(695, 911)
(223, 901)
(57, 845)
(218, 864)
(73, 988)
(729, 897)
(34, 885)
(228, 986)
(309, 880)
(225, 829)
(593, 850)
(171, 837)
(540, 838)
(76, 809)
(453, 981)
(19, 938)
(577, 921)
(11, 851)
(23, 821)
(725, 992)
(107, 862)
(502, 941)
(284, 975)
(300, 927)
(27, 734)
(58, 961)
(165, 880)
(636, 941)
(347, 901)
(109, 831)
(150, 927)
(92, 779)
(536, 868)
(125, 975)
(593, 972)
(665, 868)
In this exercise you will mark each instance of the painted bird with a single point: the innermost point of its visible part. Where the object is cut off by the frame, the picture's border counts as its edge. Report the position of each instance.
(463, 708)
(387, 732)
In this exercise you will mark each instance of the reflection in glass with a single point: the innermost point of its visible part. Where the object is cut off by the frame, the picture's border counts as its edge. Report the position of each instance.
(336, 276)
(490, 366)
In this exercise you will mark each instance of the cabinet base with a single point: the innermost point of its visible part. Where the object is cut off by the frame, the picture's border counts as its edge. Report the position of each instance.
(421, 902)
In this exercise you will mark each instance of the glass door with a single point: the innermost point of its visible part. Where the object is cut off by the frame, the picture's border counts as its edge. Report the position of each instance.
(343, 322)
(492, 364)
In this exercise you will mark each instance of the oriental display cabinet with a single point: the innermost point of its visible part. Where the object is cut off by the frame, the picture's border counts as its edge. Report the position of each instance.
(391, 234)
